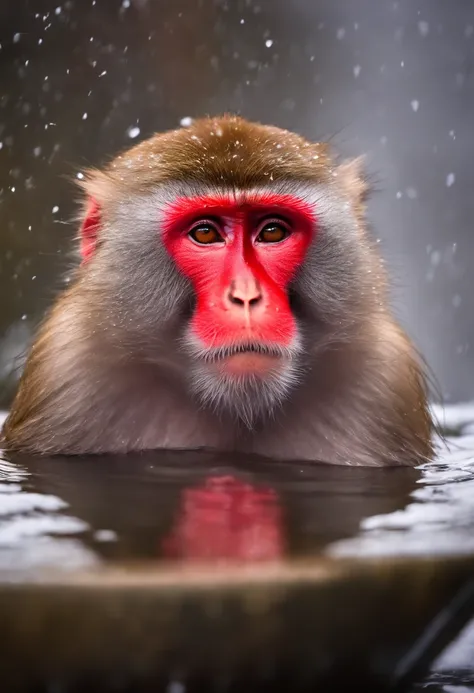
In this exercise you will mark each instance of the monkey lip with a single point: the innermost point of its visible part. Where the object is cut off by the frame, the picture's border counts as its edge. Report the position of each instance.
(247, 358)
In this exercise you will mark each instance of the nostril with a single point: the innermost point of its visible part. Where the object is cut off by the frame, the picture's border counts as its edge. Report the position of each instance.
(255, 300)
(235, 299)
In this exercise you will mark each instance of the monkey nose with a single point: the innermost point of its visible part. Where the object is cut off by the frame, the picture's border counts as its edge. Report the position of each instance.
(245, 294)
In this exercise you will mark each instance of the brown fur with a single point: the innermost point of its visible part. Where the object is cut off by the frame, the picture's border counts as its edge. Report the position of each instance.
(106, 372)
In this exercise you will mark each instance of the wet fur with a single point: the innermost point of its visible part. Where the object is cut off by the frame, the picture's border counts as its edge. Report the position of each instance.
(114, 367)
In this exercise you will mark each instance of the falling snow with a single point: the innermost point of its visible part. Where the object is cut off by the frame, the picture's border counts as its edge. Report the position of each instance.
(415, 105)
(356, 70)
(450, 179)
(269, 43)
(133, 131)
(186, 121)
(424, 28)
(55, 209)
(341, 32)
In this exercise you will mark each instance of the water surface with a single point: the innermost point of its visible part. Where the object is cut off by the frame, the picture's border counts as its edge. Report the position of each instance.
(71, 513)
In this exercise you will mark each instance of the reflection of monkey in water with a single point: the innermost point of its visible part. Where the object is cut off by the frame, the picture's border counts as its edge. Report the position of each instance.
(229, 297)
(226, 519)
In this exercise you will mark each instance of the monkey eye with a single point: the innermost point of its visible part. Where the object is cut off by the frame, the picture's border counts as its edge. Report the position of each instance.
(205, 233)
(273, 231)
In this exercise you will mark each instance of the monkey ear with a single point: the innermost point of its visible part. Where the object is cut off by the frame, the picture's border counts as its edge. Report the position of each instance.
(89, 229)
(97, 186)
(351, 176)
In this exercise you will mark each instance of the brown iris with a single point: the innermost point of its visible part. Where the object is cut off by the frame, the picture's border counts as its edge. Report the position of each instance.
(273, 232)
(206, 233)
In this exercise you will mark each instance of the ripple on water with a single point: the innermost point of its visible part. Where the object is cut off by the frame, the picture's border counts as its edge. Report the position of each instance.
(439, 519)
(31, 524)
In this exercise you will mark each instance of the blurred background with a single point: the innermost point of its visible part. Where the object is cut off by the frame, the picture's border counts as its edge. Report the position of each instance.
(391, 79)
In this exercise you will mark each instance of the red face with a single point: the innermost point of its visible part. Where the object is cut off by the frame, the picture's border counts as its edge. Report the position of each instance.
(240, 257)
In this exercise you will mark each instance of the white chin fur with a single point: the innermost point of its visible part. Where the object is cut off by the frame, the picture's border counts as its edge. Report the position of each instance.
(248, 397)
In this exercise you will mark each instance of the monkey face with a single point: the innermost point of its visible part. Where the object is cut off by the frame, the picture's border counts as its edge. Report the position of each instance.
(240, 252)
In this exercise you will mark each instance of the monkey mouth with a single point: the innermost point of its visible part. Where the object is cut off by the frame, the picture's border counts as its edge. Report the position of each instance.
(247, 359)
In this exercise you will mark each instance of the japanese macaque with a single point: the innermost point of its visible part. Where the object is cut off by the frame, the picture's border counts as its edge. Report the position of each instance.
(228, 297)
